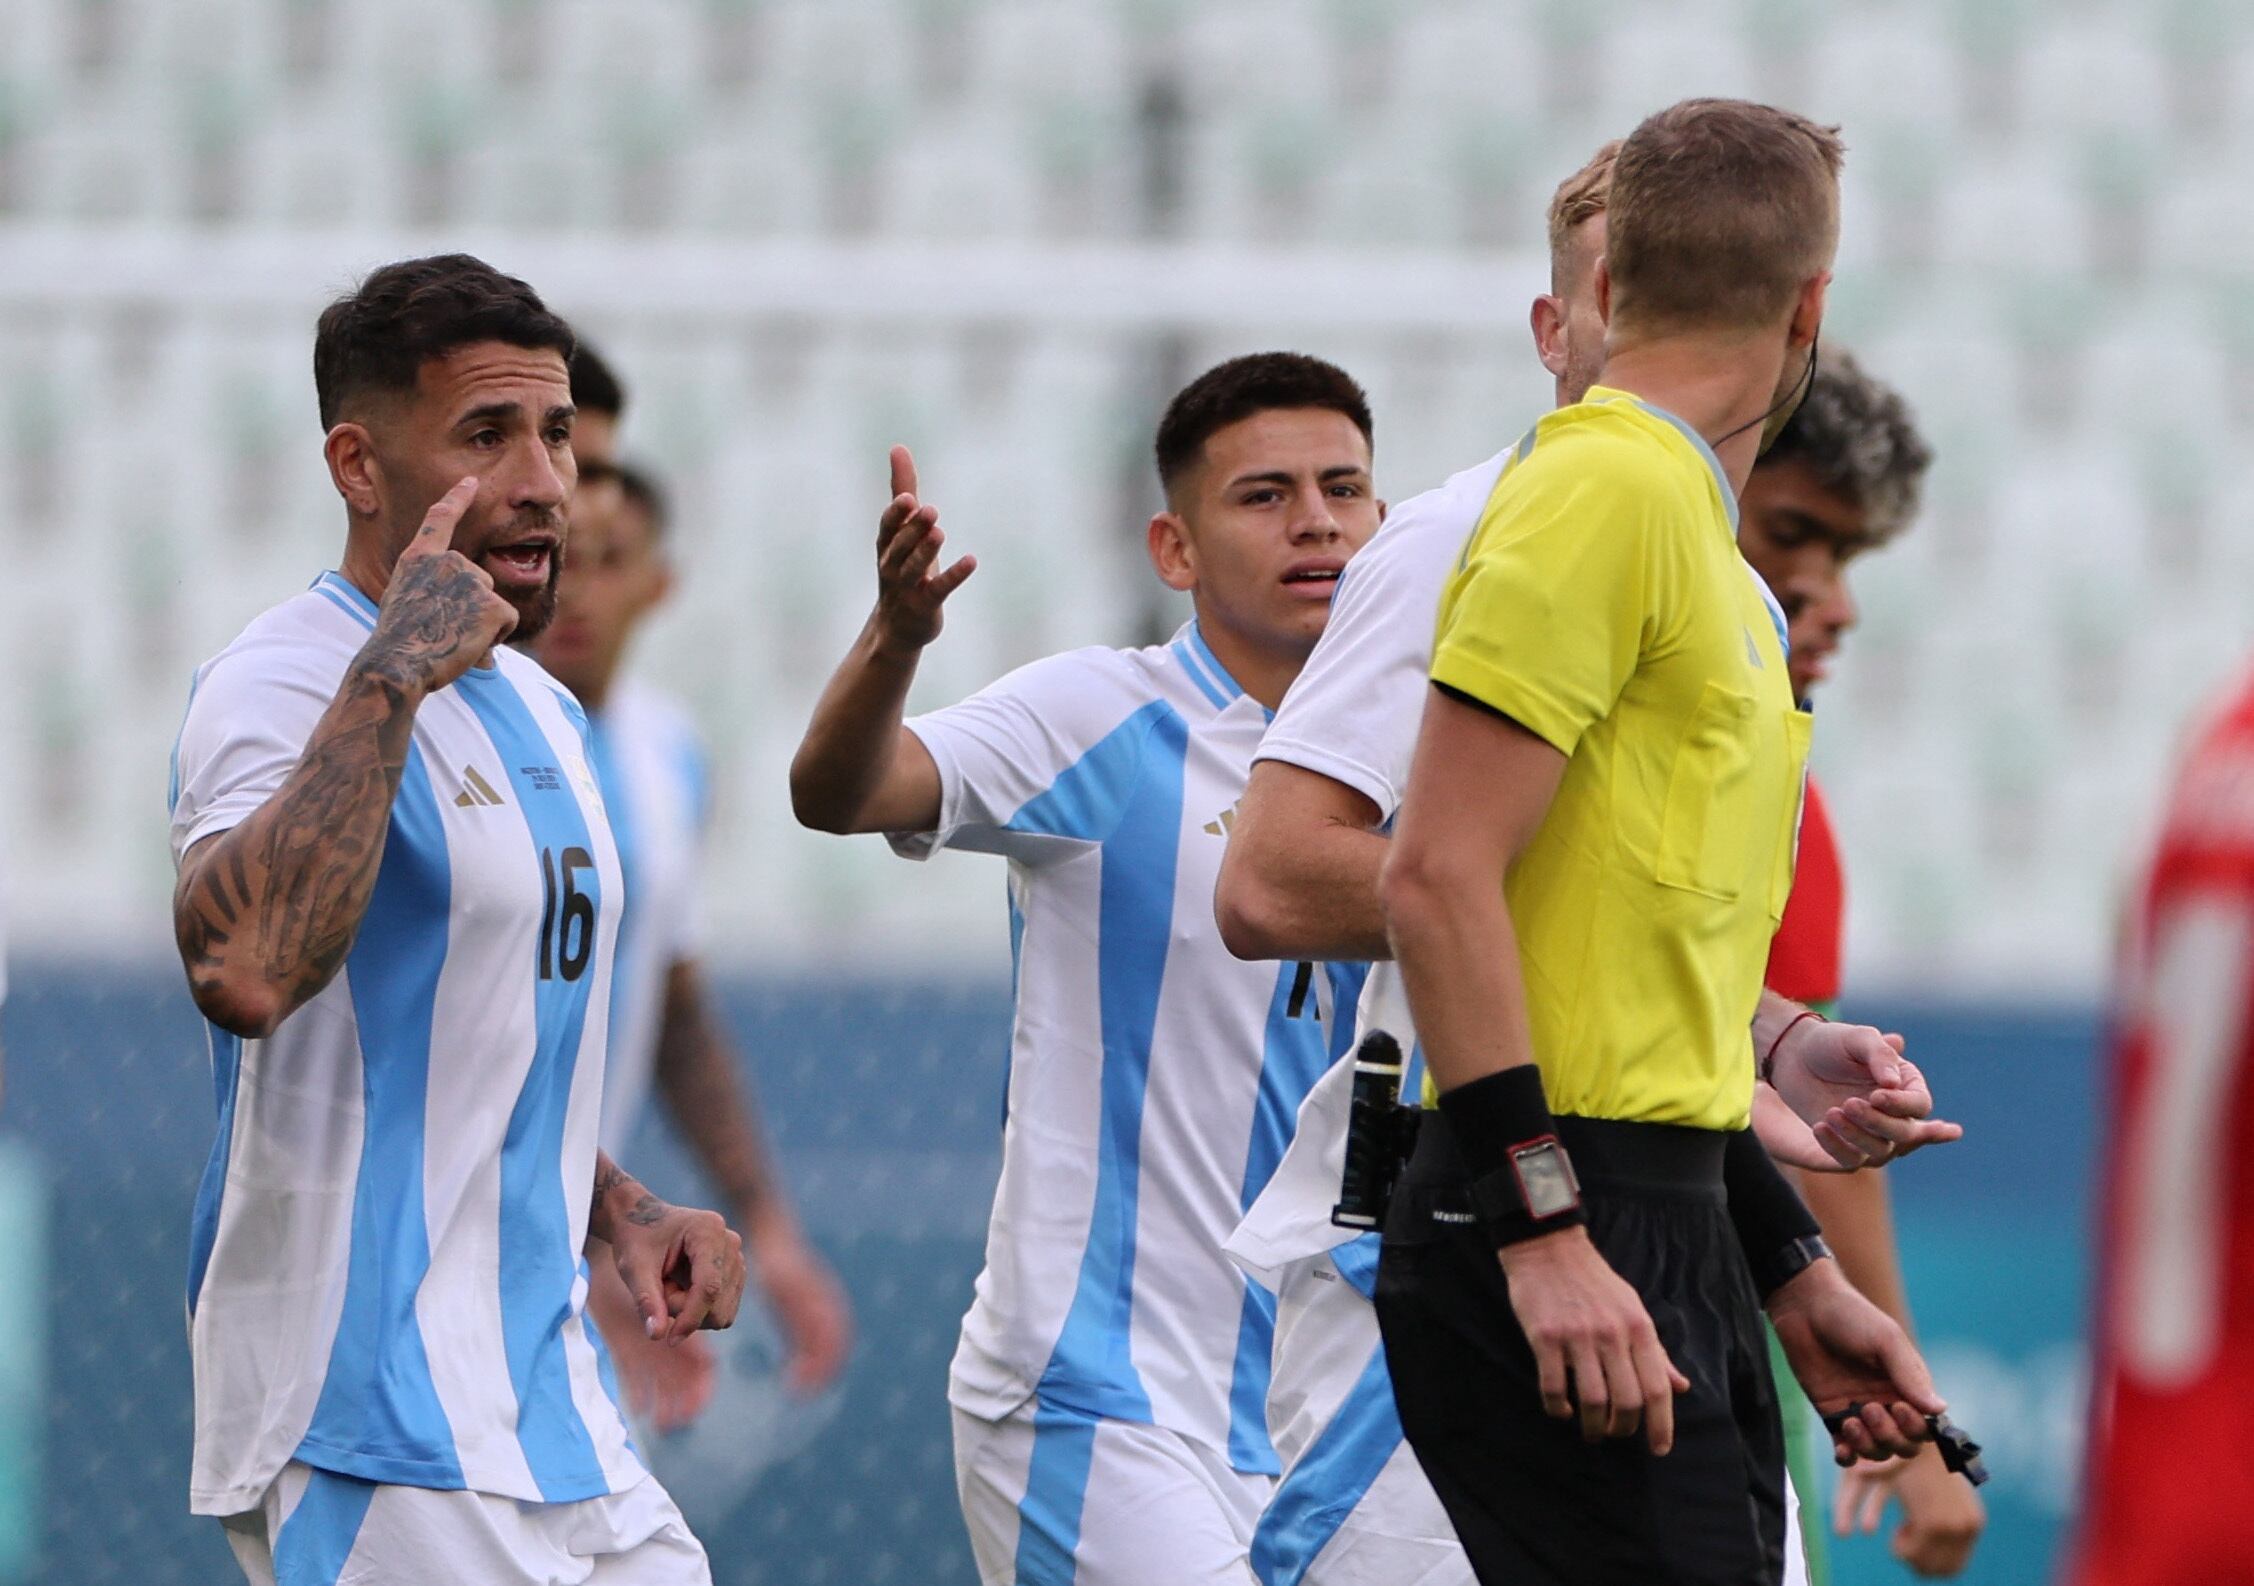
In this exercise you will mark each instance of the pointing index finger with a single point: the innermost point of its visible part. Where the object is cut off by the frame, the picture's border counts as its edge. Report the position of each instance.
(903, 472)
(447, 510)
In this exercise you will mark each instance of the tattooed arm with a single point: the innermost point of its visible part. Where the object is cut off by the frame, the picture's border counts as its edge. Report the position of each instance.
(266, 911)
(684, 1268)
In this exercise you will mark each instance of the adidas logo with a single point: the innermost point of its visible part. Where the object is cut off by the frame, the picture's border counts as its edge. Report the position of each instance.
(476, 791)
(1222, 824)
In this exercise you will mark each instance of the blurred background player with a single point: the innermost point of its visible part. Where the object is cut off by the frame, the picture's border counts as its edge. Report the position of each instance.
(2169, 1491)
(1300, 878)
(397, 904)
(1842, 479)
(1110, 1390)
(665, 1031)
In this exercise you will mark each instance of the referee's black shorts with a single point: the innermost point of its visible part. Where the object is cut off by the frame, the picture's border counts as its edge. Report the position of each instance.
(1534, 1504)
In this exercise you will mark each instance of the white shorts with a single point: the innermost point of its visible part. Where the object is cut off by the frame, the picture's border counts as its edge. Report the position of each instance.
(317, 1528)
(1057, 1498)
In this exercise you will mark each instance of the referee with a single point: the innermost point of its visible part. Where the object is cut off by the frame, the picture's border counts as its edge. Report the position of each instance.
(1593, 852)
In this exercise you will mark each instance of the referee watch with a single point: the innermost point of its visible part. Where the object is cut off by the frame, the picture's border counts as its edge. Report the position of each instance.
(1522, 1179)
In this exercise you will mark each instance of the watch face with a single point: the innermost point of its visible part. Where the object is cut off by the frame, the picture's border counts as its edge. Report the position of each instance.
(1545, 1178)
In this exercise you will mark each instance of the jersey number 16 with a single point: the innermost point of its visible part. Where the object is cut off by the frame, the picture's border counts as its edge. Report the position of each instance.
(559, 949)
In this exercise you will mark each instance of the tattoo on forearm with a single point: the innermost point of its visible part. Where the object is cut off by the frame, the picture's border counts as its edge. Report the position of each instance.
(608, 1176)
(284, 893)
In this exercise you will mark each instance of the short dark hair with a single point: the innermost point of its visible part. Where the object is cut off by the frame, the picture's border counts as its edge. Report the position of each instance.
(641, 488)
(1255, 383)
(1860, 439)
(377, 337)
(1720, 209)
(595, 386)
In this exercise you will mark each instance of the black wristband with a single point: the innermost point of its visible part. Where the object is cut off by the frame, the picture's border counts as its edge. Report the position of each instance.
(1522, 1182)
(1775, 1229)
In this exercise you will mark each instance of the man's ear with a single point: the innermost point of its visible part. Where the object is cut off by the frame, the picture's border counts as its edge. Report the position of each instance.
(1808, 312)
(354, 468)
(1604, 290)
(1171, 551)
(1547, 319)
(1381, 512)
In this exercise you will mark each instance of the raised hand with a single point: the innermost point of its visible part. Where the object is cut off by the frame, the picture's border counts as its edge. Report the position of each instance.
(1864, 1101)
(440, 615)
(909, 593)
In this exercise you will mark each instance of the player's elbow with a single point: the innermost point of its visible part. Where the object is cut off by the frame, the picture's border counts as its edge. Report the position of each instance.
(242, 1005)
(813, 804)
(1251, 913)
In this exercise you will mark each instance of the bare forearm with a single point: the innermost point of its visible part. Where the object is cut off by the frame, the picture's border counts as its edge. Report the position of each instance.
(619, 1199)
(854, 734)
(1857, 1214)
(266, 912)
(698, 1077)
(1459, 965)
(1310, 893)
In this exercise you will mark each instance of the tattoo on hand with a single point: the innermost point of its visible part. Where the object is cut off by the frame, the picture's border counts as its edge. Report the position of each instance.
(648, 1212)
(431, 612)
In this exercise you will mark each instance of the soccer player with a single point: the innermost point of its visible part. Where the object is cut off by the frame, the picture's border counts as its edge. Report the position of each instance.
(2169, 1492)
(665, 1031)
(1300, 878)
(1841, 480)
(398, 899)
(1592, 854)
(1110, 1388)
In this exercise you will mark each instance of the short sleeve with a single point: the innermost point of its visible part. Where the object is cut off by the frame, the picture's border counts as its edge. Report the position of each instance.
(1352, 713)
(1040, 763)
(249, 718)
(1547, 616)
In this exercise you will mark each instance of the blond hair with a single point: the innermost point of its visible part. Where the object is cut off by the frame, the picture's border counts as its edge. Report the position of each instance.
(1720, 211)
(1579, 198)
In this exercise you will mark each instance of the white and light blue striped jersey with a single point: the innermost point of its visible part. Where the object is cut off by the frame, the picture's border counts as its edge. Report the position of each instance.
(385, 1277)
(1352, 715)
(1154, 1077)
(651, 764)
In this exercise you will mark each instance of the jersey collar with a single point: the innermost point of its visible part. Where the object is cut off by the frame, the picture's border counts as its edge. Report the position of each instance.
(1603, 393)
(1205, 669)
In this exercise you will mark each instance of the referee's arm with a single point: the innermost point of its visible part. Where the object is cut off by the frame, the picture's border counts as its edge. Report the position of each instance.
(1478, 790)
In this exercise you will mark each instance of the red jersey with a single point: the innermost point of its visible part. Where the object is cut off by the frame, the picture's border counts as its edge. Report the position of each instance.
(2169, 1496)
(1804, 956)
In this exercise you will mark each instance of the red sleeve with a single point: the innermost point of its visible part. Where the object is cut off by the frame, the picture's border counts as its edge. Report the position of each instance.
(1804, 957)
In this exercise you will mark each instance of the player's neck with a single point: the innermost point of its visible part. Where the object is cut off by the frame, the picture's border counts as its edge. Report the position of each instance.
(1715, 385)
(1261, 673)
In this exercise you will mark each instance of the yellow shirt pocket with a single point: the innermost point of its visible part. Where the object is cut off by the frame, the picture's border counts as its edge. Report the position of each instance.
(1707, 829)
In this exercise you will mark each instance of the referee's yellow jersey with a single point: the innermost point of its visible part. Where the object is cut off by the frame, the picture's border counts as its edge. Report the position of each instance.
(1602, 604)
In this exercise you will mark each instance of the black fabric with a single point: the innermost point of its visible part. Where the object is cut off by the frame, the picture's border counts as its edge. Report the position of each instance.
(1490, 1119)
(1533, 1504)
(1771, 1218)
